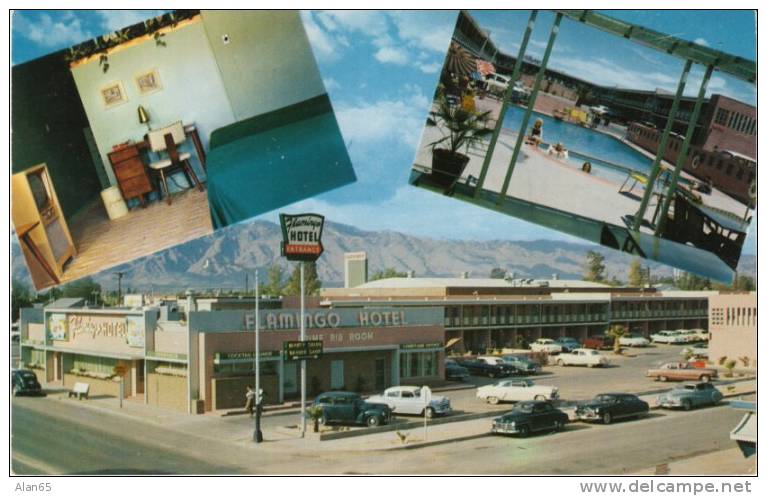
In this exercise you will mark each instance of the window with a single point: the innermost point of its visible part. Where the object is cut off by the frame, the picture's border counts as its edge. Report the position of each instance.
(733, 117)
(418, 364)
(739, 175)
(721, 116)
(100, 365)
(336, 374)
(407, 394)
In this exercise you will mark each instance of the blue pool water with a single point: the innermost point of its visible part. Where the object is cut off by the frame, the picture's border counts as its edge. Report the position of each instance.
(582, 140)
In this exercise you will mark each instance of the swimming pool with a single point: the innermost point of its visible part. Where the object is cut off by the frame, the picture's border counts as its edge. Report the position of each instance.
(584, 141)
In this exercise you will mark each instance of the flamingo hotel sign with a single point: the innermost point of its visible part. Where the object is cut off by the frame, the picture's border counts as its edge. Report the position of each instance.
(346, 317)
(302, 235)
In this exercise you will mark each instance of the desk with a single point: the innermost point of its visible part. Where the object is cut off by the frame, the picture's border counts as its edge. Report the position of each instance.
(131, 172)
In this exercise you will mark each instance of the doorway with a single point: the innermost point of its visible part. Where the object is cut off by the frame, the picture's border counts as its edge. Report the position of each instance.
(380, 373)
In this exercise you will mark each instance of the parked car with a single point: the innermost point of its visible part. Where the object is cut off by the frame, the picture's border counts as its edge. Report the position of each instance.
(697, 351)
(598, 342)
(523, 364)
(688, 335)
(608, 407)
(516, 390)
(667, 337)
(634, 341)
(341, 407)
(567, 343)
(582, 356)
(703, 334)
(681, 371)
(530, 416)
(496, 83)
(498, 360)
(689, 396)
(24, 382)
(454, 372)
(407, 400)
(491, 369)
(546, 345)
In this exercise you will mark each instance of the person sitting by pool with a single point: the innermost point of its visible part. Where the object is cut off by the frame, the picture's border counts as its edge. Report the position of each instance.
(558, 150)
(467, 102)
(536, 134)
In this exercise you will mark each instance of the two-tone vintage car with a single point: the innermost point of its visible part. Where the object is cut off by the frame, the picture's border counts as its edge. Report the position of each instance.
(524, 365)
(342, 407)
(689, 396)
(567, 343)
(634, 341)
(407, 400)
(668, 337)
(583, 356)
(489, 367)
(516, 390)
(530, 416)
(612, 406)
(546, 345)
(682, 371)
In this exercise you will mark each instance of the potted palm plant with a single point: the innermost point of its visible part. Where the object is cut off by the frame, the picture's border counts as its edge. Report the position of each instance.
(461, 130)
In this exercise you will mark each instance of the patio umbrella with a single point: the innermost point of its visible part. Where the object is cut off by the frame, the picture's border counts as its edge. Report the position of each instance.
(459, 61)
(484, 67)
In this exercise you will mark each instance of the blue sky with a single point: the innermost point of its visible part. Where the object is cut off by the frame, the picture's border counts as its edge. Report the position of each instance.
(380, 69)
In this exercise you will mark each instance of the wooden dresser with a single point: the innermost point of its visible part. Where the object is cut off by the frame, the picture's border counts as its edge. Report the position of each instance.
(131, 173)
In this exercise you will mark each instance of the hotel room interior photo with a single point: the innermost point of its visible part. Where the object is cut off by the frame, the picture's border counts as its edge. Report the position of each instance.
(162, 132)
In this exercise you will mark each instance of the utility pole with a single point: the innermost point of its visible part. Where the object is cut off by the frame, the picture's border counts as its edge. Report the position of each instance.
(303, 362)
(257, 435)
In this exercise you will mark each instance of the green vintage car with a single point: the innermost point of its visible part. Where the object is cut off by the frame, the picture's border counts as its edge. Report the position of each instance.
(530, 416)
(342, 407)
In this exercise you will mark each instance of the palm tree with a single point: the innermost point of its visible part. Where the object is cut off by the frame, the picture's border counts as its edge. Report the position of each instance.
(617, 332)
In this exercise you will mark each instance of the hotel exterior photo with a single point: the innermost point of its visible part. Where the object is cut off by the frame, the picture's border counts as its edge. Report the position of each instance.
(197, 354)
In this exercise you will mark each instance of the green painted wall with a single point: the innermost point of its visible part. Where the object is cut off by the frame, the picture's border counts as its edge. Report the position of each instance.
(267, 63)
(192, 90)
(48, 120)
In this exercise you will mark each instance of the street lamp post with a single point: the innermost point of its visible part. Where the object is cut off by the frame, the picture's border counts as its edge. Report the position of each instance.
(303, 362)
(257, 435)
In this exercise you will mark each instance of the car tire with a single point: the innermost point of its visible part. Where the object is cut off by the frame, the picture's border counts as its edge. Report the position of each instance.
(607, 418)
(523, 431)
(686, 405)
(373, 421)
(493, 400)
(705, 378)
(491, 375)
(557, 426)
(539, 397)
(322, 420)
(428, 412)
(662, 378)
(15, 391)
(561, 362)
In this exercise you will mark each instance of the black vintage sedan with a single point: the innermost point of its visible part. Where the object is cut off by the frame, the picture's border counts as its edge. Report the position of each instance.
(342, 407)
(25, 382)
(608, 407)
(530, 416)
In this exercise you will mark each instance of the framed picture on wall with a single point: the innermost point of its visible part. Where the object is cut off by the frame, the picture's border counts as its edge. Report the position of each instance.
(148, 82)
(113, 94)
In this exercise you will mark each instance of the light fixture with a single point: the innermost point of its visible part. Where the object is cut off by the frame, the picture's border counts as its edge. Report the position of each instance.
(143, 116)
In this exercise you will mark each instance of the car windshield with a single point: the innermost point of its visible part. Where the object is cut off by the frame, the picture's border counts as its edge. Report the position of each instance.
(606, 398)
(522, 408)
(689, 387)
(28, 375)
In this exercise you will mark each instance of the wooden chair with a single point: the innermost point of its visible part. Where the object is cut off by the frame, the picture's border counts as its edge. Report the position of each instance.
(166, 140)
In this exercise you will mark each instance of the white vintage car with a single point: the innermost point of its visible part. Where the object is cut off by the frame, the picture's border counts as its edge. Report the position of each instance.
(634, 340)
(407, 400)
(582, 356)
(516, 390)
(668, 337)
(546, 345)
(703, 334)
(689, 335)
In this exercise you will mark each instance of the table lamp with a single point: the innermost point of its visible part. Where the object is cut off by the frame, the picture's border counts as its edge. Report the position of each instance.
(143, 116)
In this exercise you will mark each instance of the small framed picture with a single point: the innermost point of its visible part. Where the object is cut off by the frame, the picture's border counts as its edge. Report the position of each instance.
(148, 82)
(113, 94)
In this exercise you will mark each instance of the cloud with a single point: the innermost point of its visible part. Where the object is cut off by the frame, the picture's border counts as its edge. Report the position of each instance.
(384, 120)
(331, 84)
(391, 55)
(610, 73)
(325, 47)
(44, 31)
(113, 20)
(432, 68)
(701, 41)
(426, 30)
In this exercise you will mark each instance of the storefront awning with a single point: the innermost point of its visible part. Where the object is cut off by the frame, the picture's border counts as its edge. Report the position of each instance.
(452, 342)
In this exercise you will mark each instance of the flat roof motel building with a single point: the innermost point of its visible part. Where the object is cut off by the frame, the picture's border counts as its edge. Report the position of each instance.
(197, 355)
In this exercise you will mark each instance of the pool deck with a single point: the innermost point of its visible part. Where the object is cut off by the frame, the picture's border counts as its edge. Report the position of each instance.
(544, 180)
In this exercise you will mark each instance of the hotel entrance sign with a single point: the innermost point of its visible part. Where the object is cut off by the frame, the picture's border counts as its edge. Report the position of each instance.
(301, 350)
(301, 236)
